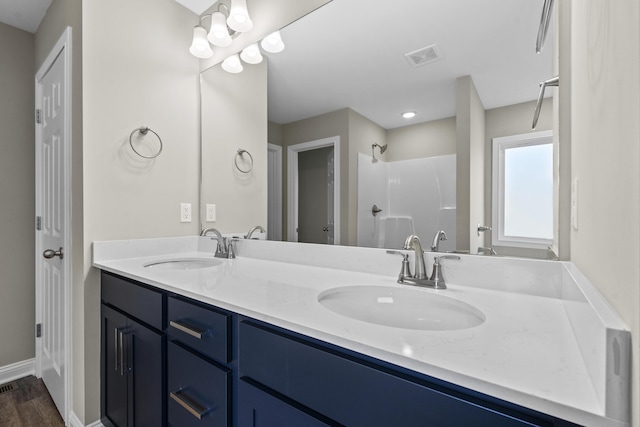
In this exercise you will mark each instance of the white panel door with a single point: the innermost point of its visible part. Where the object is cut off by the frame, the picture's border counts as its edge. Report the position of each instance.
(52, 262)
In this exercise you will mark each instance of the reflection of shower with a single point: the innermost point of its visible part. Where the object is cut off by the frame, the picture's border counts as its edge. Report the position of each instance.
(382, 148)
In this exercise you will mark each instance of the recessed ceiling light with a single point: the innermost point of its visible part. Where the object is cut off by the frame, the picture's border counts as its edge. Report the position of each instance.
(409, 114)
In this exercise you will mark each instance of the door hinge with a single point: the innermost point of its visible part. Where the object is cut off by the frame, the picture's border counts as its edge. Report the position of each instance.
(38, 223)
(38, 116)
(38, 330)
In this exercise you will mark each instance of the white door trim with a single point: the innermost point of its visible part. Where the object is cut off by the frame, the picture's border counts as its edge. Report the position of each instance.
(62, 45)
(274, 228)
(292, 184)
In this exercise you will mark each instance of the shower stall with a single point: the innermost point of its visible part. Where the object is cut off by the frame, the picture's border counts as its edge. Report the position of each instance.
(415, 196)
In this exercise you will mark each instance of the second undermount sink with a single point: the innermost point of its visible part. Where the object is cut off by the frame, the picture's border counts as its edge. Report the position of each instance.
(184, 264)
(401, 308)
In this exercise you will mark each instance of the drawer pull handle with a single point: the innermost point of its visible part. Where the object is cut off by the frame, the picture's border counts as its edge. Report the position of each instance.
(190, 329)
(189, 404)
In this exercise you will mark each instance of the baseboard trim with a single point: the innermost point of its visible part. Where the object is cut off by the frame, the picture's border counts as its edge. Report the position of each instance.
(74, 421)
(17, 370)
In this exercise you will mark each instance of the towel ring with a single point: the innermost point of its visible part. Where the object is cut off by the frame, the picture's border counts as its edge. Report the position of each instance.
(239, 154)
(144, 130)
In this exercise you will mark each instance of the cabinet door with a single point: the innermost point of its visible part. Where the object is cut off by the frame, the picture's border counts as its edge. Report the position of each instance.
(258, 408)
(145, 353)
(114, 388)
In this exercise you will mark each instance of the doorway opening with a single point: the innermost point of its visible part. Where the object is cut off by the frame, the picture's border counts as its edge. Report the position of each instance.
(313, 191)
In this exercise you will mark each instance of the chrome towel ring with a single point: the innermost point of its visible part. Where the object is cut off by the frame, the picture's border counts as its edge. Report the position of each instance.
(239, 154)
(144, 130)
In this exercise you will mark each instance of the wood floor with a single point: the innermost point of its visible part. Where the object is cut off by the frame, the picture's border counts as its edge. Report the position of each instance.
(29, 404)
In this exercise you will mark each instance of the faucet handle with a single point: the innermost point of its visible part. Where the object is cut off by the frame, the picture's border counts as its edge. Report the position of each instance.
(436, 259)
(405, 271)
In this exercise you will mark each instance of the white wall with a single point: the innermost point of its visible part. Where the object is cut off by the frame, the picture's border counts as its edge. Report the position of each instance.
(604, 79)
(235, 117)
(17, 192)
(137, 71)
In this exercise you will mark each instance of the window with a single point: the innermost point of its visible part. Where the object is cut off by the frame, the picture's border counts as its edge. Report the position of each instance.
(523, 190)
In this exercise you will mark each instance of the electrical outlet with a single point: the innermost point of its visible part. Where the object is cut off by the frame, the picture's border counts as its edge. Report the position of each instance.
(185, 212)
(211, 213)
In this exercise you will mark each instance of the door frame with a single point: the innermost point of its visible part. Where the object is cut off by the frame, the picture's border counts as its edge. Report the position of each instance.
(274, 226)
(292, 184)
(64, 44)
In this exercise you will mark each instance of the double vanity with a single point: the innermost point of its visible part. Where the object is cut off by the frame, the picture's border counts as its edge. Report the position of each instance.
(316, 335)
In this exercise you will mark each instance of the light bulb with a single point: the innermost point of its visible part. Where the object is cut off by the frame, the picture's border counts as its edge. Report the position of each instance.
(200, 47)
(273, 43)
(232, 64)
(409, 114)
(251, 54)
(239, 19)
(219, 34)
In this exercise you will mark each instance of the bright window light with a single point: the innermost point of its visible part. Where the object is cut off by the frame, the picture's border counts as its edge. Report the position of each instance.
(523, 190)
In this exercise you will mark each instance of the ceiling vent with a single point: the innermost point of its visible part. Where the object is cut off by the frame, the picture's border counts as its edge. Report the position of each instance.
(424, 56)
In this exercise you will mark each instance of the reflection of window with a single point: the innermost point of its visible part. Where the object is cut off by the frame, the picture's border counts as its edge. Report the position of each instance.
(523, 190)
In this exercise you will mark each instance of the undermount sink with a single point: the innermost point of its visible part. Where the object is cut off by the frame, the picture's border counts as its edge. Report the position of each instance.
(401, 308)
(184, 264)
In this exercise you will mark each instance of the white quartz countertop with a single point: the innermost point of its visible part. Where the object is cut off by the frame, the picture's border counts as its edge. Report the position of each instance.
(525, 352)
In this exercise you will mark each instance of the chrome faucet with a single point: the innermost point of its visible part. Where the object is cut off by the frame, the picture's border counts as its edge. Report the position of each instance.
(253, 230)
(224, 249)
(413, 242)
(439, 236)
(436, 280)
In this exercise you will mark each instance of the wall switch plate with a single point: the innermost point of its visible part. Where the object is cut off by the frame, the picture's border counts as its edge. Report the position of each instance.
(211, 213)
(185, 212)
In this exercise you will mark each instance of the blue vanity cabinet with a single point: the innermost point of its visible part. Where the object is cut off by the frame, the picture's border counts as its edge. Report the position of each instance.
(260, 407)
(354, 390)
(133, 354)
(200, 364)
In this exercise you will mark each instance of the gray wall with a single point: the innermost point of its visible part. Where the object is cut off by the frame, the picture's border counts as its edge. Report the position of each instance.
(17, 194)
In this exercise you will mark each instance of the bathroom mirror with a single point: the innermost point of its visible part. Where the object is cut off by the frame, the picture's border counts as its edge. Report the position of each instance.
(347, 59)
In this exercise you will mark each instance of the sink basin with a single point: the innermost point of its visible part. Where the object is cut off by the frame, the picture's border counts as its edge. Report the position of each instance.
(184, 264)
(401, 308)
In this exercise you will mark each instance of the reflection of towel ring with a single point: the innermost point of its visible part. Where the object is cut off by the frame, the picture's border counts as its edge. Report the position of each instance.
(239, 154)
(144, 130)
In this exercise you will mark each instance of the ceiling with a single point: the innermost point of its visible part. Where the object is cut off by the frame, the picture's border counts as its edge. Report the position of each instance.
(23, 14)
(350, 53)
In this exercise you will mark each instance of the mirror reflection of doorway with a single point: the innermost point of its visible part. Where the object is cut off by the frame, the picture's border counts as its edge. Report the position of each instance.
(315, 188)
(313, 183)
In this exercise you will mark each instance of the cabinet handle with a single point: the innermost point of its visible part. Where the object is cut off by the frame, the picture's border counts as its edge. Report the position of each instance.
(121, 345)
(190, 329)
(189, 404)
(116, 353)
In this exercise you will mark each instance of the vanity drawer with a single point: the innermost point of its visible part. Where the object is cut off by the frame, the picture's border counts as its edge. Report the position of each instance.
(200, 327)
(198, 390)
(355, 393)
(133, 298)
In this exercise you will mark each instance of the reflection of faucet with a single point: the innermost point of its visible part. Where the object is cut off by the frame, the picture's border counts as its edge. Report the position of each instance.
(413, 242)
(487, 251)
(224, 249)
(440, 235)
(253, 230)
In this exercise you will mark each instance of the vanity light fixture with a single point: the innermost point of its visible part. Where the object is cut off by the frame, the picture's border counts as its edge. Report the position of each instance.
(409, 114)
(239, 19)
(232, 64)
(226, 24)
(273, 43)
(219, 32)
(200, 47)
(251, 54)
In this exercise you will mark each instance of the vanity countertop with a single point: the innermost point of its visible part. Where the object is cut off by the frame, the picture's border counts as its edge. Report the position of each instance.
(526, 352)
